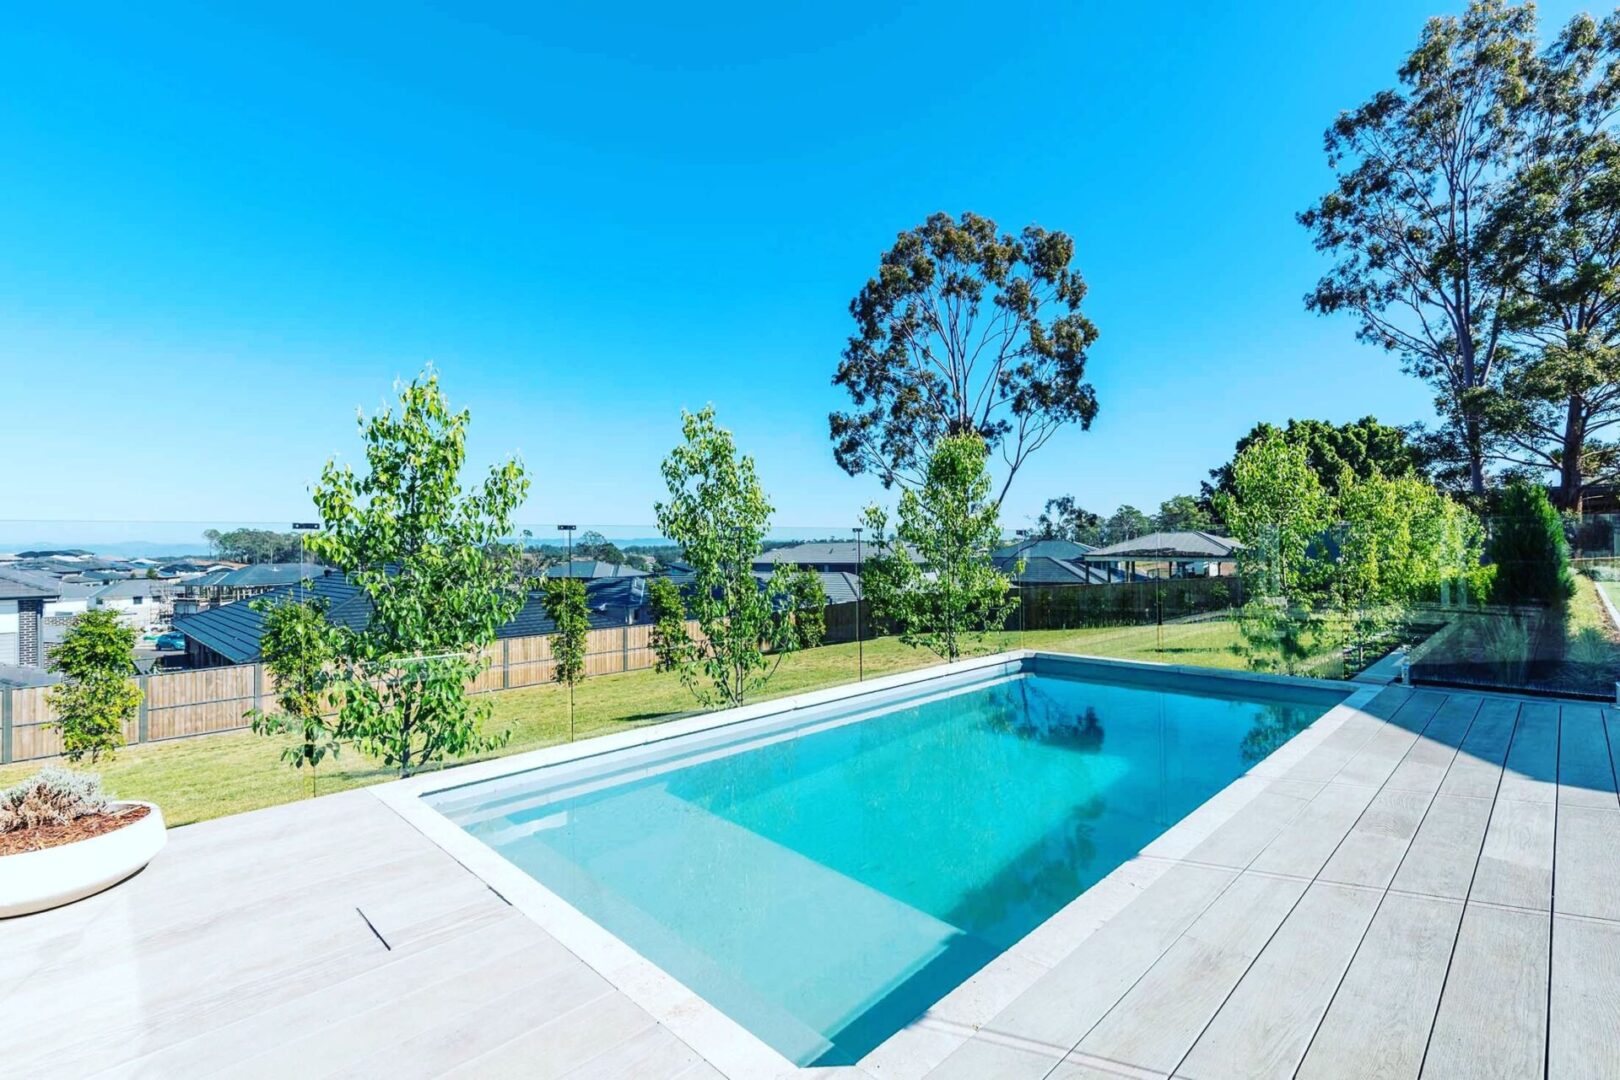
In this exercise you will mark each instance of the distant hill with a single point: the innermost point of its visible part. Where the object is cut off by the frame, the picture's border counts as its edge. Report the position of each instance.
(126, 549)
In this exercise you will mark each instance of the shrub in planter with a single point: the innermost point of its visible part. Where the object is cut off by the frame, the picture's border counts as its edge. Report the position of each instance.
(1528, 549)
(51, 797)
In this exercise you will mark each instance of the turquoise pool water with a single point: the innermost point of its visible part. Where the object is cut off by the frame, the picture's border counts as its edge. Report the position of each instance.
(825, 882)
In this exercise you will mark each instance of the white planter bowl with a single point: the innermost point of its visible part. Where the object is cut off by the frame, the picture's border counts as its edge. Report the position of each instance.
(37, 880)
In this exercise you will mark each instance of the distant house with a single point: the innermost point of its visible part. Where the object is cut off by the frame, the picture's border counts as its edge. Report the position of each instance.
(22, 609)
(836, 556)
(591, 570)
(230, 633)
(139, 601)
(1172, 554)
(1055, 563)
(239, 583)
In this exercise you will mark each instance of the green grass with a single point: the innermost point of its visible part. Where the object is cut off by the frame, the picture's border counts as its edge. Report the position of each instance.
(213, 775)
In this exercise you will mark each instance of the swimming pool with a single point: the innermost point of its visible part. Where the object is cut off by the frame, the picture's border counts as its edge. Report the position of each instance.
(823, 875)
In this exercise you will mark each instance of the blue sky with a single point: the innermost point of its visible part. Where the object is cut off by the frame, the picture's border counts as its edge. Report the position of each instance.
(220, 234)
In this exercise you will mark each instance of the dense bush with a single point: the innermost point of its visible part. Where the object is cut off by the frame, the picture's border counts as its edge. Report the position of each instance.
(1528, 549)
(51, 796)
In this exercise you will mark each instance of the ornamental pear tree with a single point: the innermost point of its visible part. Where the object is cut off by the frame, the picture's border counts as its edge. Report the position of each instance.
(964, 329)
(96, 698)
(718, 513)
(298, 647)
(566, 603)
(432, 560)
(933, 578)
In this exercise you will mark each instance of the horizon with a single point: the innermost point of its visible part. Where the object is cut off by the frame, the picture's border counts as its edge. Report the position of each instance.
(234, 233)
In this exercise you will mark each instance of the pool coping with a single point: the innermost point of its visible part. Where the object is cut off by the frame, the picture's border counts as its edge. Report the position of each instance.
(930, 1038)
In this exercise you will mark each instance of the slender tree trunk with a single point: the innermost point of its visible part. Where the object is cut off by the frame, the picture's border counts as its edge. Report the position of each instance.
(1570, 480)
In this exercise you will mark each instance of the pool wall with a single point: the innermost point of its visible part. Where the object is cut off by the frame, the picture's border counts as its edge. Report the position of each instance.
(927, 1040)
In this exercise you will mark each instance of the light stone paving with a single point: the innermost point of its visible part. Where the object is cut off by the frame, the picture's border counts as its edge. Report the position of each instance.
(1427, 886)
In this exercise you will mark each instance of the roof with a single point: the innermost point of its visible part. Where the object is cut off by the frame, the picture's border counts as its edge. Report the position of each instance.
(263, 575)
(1051, 549)
(1043, 570)
(592, 569)
(28, 585)
(234, 630)
(1171, 545)
(132, 587)
(820, 551)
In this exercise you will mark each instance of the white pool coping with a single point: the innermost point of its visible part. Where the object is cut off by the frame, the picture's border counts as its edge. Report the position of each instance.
(949, 1022)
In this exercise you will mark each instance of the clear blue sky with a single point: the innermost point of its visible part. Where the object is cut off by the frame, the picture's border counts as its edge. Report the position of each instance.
(221, 234)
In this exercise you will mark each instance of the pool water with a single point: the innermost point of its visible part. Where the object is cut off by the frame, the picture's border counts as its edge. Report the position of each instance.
(825, 885)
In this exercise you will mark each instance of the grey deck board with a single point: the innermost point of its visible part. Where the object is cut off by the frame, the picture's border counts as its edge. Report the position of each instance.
(1532, 761)
(1442, 857)
(1477, 768)
(1379, 1021)
(1583, 1038)
(1155, 1024)
(1425, 765)
(1266, 1025)
(1492, 1021)
(1373, 849)
(1305, 845)
(1379, 756)
(1516, 862)
(1588, 862)
(1585, 773)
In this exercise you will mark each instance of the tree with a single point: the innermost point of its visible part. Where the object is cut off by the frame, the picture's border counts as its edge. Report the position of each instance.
(1420, 170)
(298, 647)
(253, 545)
(718, 513)
(593, 545)
(1126, 523)
(1182, 513)
(566, 604)
(934, 580)
(1528, 549)
(1064, 519)
(1363, 448)
(964, 329)
(431, 560)
(1276, 509)
(1556, 248)
(96, 698)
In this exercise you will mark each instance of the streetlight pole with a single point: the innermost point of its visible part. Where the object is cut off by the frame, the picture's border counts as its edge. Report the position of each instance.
(860, 594)
(569, 529)
(302, 527)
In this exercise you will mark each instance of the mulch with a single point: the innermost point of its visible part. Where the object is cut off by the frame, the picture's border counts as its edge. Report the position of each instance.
(21, 840)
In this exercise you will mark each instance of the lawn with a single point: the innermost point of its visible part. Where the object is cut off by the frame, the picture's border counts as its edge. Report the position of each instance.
(213, 775)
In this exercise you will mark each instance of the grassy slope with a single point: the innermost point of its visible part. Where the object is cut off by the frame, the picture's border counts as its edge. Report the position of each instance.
(211, 776)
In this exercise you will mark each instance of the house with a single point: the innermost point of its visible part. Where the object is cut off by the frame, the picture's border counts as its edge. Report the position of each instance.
(22, 611)
(231, 633)
(138, 601)
(227, 586)
(1187, 553)
(1055, 563)
(834, 556)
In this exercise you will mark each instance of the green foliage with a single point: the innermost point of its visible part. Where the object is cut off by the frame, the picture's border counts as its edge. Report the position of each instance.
(963, 330)
(97, 698)
(432, 560)
(933, 580)
(567, 605)
(672, 647)
(1126, 523)
(1183, 512)
(253, 545)
(299, 650)
(1363, 448)
(1276, 509)
(1065, 519)
(718, 513)
(1419, 169)
(1528, 548)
